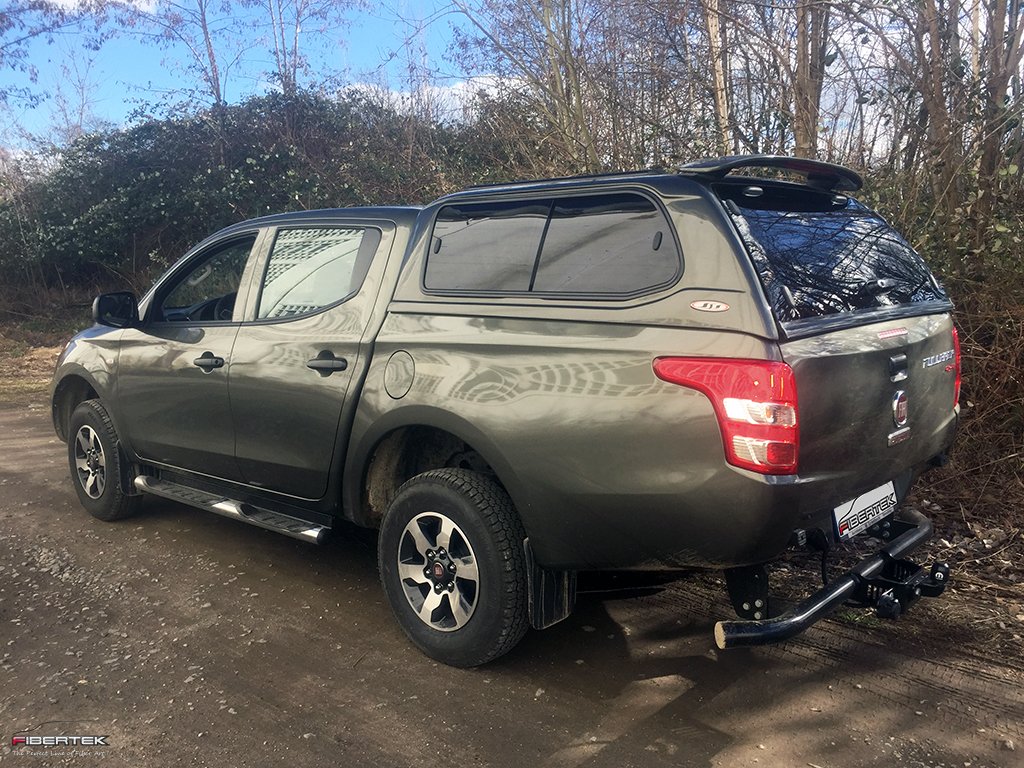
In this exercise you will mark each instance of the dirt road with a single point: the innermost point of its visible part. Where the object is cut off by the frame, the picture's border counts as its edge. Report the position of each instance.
(191, 640)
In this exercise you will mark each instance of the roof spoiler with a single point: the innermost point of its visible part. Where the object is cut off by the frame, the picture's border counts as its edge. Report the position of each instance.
(818, 174)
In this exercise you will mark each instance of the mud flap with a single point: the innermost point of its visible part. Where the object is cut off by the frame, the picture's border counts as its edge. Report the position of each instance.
(552, 594)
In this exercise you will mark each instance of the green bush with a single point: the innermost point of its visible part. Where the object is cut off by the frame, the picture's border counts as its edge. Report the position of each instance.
(119, 205)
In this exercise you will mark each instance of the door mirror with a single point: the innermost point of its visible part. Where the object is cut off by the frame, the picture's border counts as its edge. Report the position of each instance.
(117, 310)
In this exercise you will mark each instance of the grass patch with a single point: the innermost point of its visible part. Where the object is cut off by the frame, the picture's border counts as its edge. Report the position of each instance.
(29, 347)
(14, 390)
(21, 332)
(859, 616)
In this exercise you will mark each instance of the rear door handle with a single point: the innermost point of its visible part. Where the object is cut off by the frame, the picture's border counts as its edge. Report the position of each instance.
(208, 361)
(326, 363)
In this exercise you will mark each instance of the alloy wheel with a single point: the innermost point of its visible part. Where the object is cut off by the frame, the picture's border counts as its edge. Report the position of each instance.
(438, 571)
(90, 462)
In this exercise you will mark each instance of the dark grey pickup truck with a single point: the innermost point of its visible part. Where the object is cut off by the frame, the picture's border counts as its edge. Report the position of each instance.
(689, 369)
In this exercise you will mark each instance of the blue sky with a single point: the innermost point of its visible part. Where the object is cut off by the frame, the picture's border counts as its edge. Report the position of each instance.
(126, 72)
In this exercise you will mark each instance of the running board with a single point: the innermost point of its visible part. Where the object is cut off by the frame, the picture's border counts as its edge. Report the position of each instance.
(237, 510)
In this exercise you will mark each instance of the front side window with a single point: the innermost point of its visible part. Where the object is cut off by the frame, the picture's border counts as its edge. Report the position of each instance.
(312, 268)
(587, 245)
(206, 292)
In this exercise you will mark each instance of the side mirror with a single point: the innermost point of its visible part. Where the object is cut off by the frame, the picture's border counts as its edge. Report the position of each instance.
(117, 310)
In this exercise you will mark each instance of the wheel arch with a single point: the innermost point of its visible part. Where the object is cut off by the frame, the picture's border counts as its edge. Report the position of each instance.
(69, 392)
(416, 439)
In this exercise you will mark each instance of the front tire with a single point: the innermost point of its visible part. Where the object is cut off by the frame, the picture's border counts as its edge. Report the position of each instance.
(452, 564)
(95, 459)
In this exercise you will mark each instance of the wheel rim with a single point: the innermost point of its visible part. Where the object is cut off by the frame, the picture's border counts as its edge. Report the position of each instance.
(90, 462)
(438, 571)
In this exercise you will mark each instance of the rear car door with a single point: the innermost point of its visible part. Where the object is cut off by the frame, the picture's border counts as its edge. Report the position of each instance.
(296, 358)
(172, 385)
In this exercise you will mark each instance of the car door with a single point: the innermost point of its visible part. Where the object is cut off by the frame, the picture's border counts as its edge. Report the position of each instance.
(172, 384)
(296, 358)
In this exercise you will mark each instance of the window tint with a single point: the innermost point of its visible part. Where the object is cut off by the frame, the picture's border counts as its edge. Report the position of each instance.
(207, 291)
(486, 246)
(820, 254)
(591, 244)
(606, 244)
(310, 269)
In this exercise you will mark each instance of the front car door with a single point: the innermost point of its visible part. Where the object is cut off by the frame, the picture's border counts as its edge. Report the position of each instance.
(172, 385)
(295, 358)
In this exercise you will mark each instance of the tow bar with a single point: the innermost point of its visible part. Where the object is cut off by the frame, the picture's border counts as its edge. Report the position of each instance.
(885, 581)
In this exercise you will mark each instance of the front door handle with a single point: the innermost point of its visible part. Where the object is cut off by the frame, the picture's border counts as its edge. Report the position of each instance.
(208, 361)
(326, 363)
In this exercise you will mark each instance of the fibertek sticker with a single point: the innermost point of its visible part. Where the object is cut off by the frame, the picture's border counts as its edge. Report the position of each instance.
(857, 515)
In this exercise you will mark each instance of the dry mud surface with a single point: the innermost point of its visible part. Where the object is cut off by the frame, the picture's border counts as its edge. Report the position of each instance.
(192, 640)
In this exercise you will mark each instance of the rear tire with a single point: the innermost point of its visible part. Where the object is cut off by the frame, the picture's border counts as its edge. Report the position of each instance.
(95, 460)
(452, 564)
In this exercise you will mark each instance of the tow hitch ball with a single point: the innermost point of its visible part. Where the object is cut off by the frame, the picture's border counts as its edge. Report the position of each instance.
(899, 585)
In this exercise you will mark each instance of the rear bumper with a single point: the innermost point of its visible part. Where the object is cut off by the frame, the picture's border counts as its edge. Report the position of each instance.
(710, 515)
(884, 581)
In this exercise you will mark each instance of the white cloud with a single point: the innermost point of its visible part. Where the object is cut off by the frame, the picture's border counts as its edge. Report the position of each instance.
(84, 6)
(452, 101)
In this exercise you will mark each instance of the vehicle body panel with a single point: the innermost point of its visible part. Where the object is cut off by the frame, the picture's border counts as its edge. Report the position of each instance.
(89, 357)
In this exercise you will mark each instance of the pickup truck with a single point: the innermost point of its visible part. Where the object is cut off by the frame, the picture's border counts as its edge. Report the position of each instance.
(698, 368)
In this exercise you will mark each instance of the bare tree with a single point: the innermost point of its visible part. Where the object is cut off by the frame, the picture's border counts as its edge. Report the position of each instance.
(613, 84)
(207, 30)
(23, 21)
(538, 46)
(720, 91)
(289, 25)
(812, 35)
(74, 102)
(923, 43)
(1004, 53)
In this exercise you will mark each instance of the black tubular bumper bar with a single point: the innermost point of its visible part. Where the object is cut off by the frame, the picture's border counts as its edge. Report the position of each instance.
(884, 581)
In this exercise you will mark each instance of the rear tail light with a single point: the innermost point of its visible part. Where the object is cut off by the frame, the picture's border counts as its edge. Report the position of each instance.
(755, 402)
(956, 354)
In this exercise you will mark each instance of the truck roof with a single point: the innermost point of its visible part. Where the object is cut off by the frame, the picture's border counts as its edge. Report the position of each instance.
(667, 182)
(400, 214)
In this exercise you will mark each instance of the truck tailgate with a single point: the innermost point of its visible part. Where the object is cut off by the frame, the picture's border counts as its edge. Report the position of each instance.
(874, 401)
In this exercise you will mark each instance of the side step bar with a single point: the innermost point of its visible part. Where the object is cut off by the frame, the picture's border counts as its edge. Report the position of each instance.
(237, 510)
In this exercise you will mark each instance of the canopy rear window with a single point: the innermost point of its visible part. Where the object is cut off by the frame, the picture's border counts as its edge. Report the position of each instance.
(818, 253)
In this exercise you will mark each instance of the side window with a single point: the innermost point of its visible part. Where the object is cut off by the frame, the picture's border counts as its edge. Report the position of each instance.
(485, 246)
(611, 244)
(616, 243)
(312, 268)
(207, 291)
